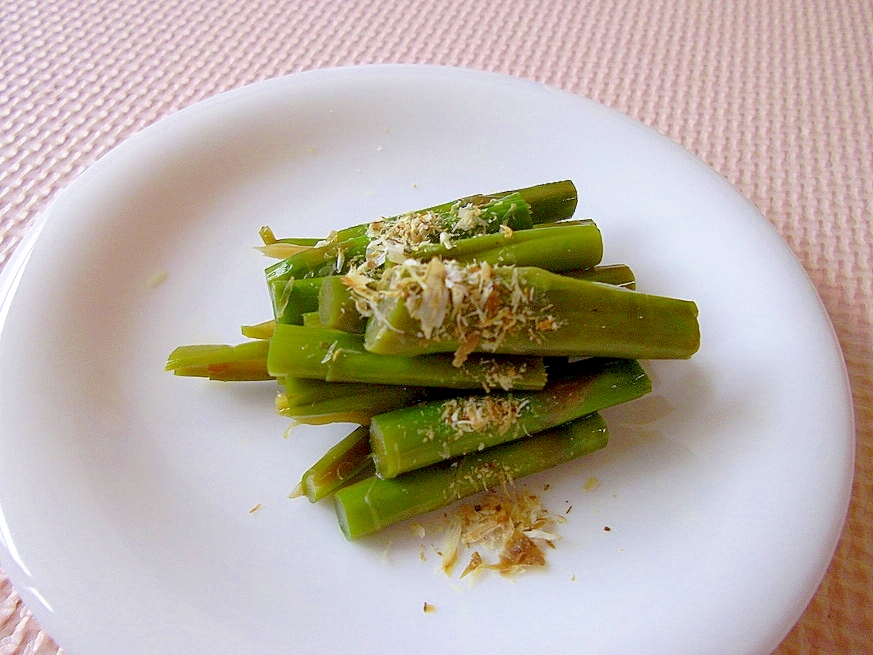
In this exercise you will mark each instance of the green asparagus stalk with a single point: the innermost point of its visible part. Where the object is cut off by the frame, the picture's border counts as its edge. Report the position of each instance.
(312, 319)
(347, 249)
(315, 402)
(547, 203)
(242, 362)
(336, 356)
(423, 434)
(550, 202)
(556, 247)
(292, 298)
(523, 311)
(320, 260)
(346, 462)
(303, 392)
(307, 352)
(337, 308)
(618, 275)
(517, 210)
(374, 503)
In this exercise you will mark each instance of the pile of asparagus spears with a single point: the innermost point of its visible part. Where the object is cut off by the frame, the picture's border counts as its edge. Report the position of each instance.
(473, 343)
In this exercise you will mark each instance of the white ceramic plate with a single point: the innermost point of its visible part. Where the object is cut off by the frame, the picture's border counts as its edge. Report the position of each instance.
(125, 492)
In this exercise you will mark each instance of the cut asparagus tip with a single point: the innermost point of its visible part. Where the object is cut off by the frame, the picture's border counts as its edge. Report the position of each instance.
(342, 518)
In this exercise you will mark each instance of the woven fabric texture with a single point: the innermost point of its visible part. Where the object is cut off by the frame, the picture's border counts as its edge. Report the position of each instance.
(774, 95)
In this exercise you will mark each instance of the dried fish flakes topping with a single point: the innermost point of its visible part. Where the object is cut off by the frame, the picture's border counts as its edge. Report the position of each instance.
(475, 304)
(500, 373)
(395, 239)
(483, 413)
(512, 527)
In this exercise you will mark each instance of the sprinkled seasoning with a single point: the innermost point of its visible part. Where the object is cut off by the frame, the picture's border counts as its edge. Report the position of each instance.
(395, 239)
(475, 304)
(483, 413)
(512, 526)
(501, 373)
(486, 476)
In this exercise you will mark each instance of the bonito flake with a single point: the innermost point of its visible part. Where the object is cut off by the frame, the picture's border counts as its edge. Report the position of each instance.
(505, 531)
(393, 240)
(475, 304)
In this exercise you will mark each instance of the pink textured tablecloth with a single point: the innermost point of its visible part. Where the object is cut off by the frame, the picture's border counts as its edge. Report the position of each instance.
(775, 96)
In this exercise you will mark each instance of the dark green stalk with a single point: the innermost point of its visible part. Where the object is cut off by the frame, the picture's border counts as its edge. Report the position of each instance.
(336, 356)
(315, 402)
(347, 248)
(312, 319)
(551, 247)
(336, 307)
(346, 462)
(549, 202)
(307, 352)
(372, 504)
(553, 201)
(567, 317)
(318, 261)
(294, 297)
(423, 434)
(617, 275)
(517, 209)
(337, 310)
